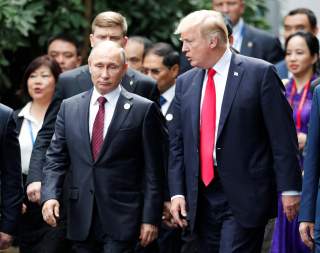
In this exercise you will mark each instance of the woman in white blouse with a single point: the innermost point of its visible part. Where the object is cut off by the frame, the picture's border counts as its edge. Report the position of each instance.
(38, 84)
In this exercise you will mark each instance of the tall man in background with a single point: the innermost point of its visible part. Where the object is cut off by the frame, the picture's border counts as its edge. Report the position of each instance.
(249, 40)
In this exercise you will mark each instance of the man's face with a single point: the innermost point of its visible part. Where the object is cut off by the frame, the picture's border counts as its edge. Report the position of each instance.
(107, 70)
(134, 53)
(153, 66)
(65, 53)
(232, 8)
(114, 34)
(196, 47)
(296, 23)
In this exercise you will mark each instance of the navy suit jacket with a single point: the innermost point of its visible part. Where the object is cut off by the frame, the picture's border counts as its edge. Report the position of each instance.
(72, 83)
(126, 180)
(282, 69)
(256, 148)
(310, 202)
(259, 44)
(11, 177)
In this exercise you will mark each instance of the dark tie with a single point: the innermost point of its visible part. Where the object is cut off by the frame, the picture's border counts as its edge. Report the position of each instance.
(162, 100)
(207, 130)
(97, 130)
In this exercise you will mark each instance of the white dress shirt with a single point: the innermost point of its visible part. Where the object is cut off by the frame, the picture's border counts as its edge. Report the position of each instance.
(220, 81)
(168, 95)
(237, 32)
(28, 133)
(112, 99)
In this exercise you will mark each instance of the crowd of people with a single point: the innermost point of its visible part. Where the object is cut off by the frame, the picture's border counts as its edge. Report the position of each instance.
(147, 149)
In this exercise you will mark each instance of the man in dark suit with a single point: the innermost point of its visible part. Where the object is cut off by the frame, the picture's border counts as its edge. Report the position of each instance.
(309, 216)
(161, 62)
(233, 143)
(248, 40)
(112, 142)
(11, 178)
(300, 19)
(106, 26)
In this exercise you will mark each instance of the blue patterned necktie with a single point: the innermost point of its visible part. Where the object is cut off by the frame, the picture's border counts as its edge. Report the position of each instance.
(162, 100)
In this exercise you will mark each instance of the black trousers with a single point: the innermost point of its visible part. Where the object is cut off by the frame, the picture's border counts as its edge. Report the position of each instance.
(100, 242)
(218, 230)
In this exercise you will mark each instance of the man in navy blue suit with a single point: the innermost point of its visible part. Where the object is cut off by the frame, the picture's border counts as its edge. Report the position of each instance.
(310, 202)
(233, 143)
(249, 40)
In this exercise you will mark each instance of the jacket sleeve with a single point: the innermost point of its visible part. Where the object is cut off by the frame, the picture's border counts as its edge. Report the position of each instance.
(11, 178)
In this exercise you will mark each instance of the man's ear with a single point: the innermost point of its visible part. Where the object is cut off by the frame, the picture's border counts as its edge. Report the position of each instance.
(213, 42)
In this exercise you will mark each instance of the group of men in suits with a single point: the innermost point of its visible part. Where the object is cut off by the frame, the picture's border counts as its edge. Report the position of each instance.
(232, 145)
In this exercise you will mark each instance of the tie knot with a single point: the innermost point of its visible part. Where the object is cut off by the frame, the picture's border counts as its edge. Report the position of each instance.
(102, 101)
(211, 73)
(162, 100)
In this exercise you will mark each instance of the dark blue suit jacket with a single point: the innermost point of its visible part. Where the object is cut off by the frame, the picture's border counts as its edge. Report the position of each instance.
(126, 180)
(260, 44)
(282, 69)
(256, 149)
(11, 177)
(310, 202)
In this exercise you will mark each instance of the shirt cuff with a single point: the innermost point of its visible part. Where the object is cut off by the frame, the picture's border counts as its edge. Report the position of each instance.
(177, 196)
(290, 193)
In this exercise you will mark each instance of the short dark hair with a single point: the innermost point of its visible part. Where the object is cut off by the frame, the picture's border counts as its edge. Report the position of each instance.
(66, 38)
(43, 60)
(311, 41)
(165, 50)
(309, 13)
(142, 40)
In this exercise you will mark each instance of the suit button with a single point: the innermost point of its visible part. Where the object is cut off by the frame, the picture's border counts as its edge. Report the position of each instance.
(218, 148)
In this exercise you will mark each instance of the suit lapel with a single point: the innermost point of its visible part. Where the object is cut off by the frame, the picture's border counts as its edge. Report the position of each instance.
(121, 112)
(128, 81)
(247, 42)
(84, 106)
(233, 81)
(194, 104)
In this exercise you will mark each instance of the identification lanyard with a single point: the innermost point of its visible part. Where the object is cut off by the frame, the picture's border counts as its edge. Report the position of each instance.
(31, 132)
(301, 103)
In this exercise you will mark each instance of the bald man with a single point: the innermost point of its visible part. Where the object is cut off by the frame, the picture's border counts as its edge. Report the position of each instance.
(111, 142)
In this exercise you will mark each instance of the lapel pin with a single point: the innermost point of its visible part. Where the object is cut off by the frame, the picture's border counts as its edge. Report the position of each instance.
(235, 73)
(169, 117)
(126, 106)
(250, 44)
(131, 82)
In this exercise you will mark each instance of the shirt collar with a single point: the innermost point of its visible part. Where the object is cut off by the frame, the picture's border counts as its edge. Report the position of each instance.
(112, 97)
(237, 29)
(220, 66)
(169, 93)
(25, 112)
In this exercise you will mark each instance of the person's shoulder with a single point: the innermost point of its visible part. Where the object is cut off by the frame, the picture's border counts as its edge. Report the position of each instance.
(5, 110)
(74, 72)
(135, 97)
(190, 73)
(139, 77)
(259, 33)
(251, 61)
(77, 98)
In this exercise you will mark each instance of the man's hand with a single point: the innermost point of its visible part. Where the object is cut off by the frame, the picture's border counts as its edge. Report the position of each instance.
(167, 218)
(33, 192)
(306, 230)
(50, 212)
(148, 233)
(5, 240)
(178, 211)
(291, 206)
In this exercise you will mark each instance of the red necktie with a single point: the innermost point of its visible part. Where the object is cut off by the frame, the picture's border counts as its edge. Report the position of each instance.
(97, 130)
(207, 130)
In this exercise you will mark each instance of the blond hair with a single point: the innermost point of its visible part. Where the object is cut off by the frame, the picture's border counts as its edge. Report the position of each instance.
(110, 19)
(209, 22)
